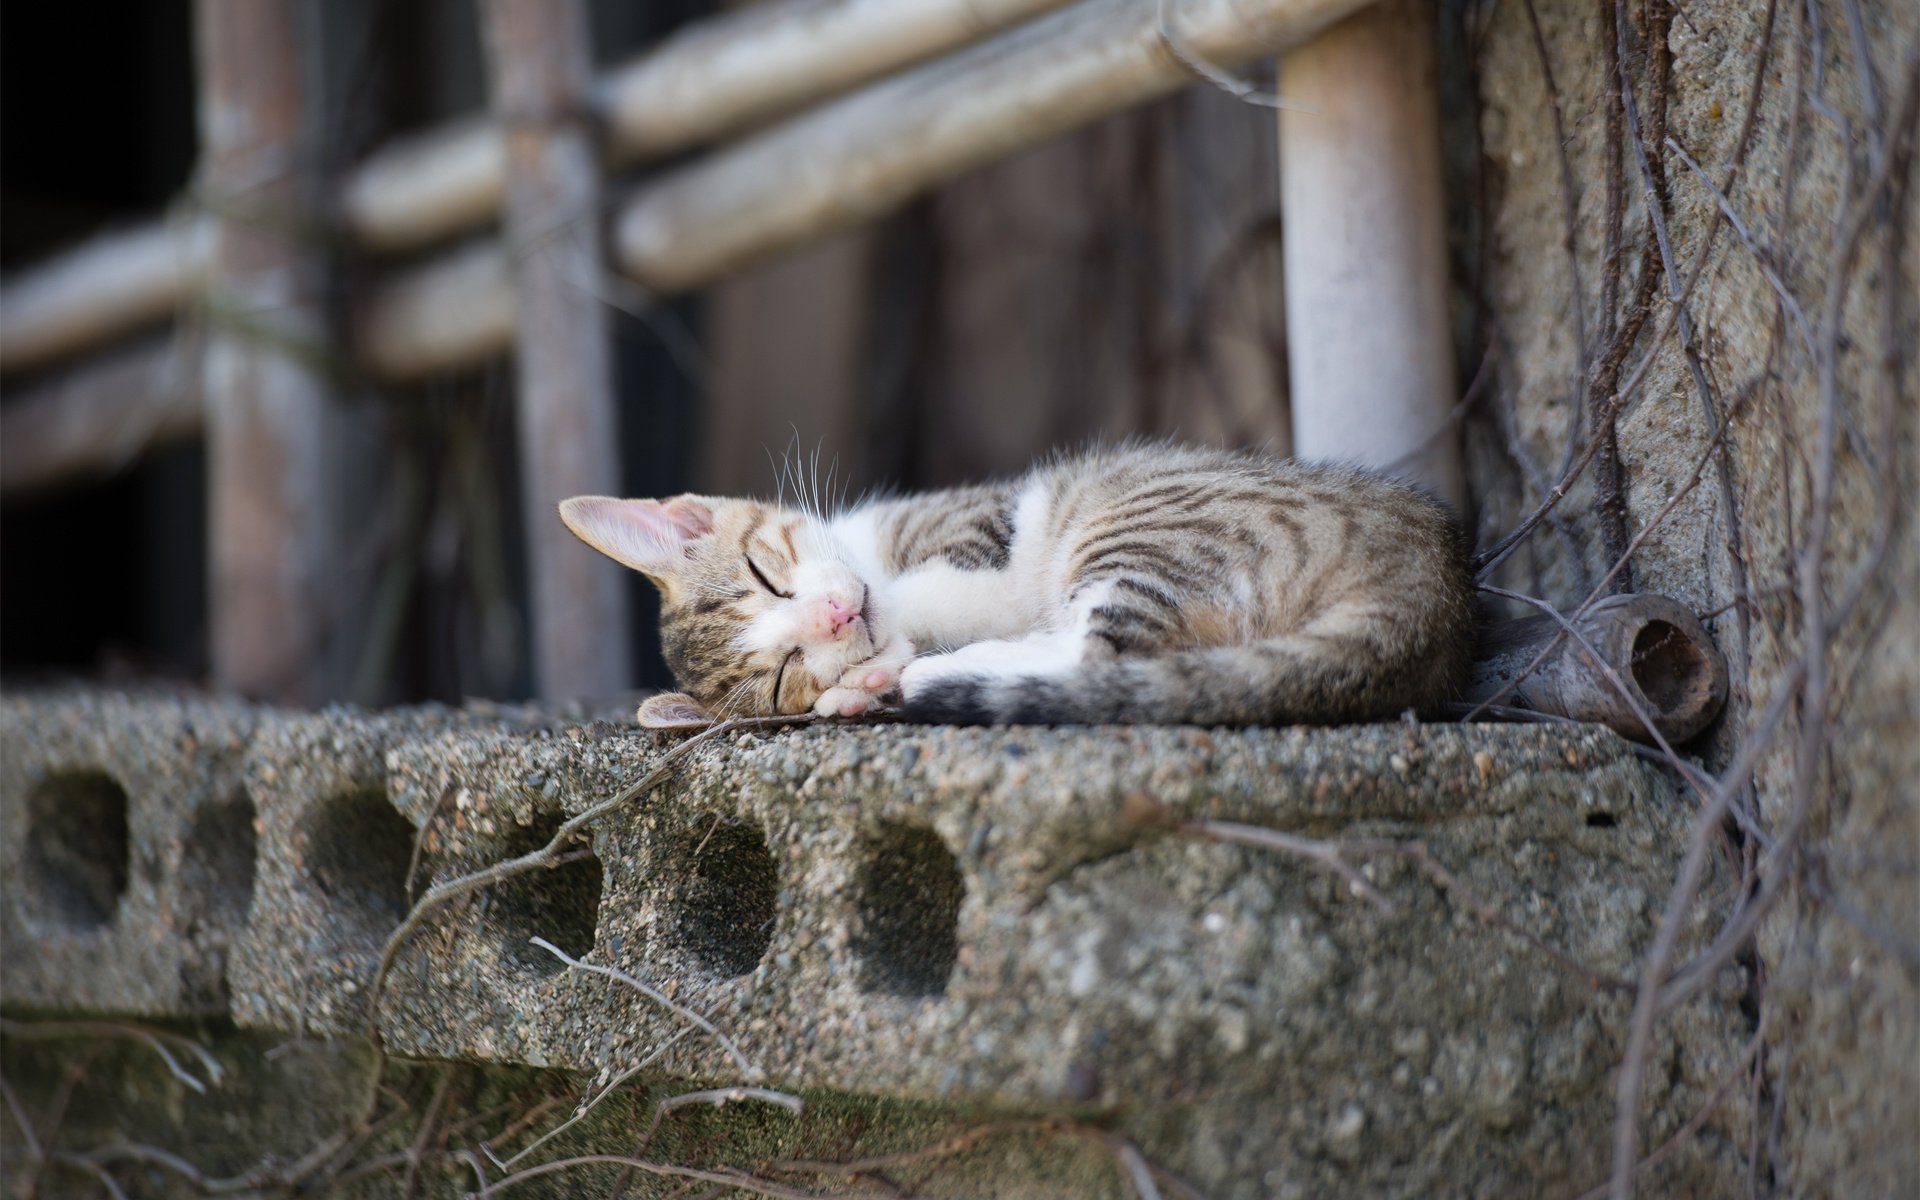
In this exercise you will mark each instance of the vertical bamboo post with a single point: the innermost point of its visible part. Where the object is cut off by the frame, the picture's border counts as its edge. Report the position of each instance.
(269, 490)
(1363, 207)
(537, 51)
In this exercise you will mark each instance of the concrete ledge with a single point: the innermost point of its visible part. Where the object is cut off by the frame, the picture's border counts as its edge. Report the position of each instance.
(972, 918)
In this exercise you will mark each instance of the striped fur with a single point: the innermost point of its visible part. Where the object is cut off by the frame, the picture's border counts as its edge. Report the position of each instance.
(1140, 584)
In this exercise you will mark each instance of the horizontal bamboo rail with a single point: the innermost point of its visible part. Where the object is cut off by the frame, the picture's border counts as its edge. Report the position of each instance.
(711, 79)
(114, 284)
(851, 160)
(866, 153)
(95, 417)
(846, 162)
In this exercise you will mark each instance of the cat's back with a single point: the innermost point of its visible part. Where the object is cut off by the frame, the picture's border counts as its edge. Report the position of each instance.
(1244, 544)
(1199, 492)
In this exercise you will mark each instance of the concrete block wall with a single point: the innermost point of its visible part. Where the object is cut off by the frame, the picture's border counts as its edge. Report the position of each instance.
(981, 921)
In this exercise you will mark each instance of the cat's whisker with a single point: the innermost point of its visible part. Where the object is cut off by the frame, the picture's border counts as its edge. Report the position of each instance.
(727, 706)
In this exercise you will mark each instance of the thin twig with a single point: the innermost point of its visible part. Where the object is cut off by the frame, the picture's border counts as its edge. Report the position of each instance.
(1240, 89)
(719, 1097)
(1331, 855)
(153, 1039)
(440, 894)
(1686, 1132)
(612, 1086)
(659, 997)
(724, 1176)
(420, 841)
(429, 1124)
(87, 1166)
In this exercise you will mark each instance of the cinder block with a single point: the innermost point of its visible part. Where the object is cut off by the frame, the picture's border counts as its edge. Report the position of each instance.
(978, 920)
(335, 852)
(129, 851)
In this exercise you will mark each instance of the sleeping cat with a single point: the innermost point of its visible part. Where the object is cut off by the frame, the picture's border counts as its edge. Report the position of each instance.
(1141, 584)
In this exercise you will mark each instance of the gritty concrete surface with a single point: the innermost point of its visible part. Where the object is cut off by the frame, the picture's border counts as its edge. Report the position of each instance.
(128, 852)
(1841, 972)
(940, 921)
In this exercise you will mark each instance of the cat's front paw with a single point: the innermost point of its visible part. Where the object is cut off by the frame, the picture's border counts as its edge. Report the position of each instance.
(845, 702)
(868, 685)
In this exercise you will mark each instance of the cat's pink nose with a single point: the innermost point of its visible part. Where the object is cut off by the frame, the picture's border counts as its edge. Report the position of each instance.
(839, 614)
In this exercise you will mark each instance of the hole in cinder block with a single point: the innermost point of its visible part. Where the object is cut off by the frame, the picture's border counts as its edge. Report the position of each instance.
(907, 907)
(1669, 668)
(215, 894)
(560, 903)
(217, 866)
(77, 849)
(357, 849)
(727, 896)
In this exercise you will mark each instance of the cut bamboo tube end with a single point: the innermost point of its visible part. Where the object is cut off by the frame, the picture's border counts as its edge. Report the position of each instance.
(1653, 644)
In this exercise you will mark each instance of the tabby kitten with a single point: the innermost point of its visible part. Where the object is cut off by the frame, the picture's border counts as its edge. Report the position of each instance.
(1142, 584)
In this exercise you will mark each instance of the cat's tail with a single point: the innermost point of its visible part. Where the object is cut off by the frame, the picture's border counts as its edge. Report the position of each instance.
(1298, 679)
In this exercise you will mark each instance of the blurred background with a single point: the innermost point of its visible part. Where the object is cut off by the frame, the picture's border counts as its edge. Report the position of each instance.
(1123, 279)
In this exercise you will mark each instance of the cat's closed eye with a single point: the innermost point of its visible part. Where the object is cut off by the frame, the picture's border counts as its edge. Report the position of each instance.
(780, 675)
(764, 581)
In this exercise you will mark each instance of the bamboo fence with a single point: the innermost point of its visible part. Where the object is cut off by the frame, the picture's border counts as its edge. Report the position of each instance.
(898, 96)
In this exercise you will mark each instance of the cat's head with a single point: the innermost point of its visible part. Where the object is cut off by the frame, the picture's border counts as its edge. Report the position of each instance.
(759, 611)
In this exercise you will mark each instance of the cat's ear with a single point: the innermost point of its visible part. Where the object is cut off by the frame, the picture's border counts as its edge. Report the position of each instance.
(651, 536)
(673, 710)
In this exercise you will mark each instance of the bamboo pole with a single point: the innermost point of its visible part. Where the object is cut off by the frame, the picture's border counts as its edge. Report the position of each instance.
(98, 416)
(109, 286)
(269, 483)
(453, 312)
(861, 156)
(770, 60)
(537, 52)
(1653, 645)
(711, 79)
(852, 160)
(844, 163)
(1369, 343)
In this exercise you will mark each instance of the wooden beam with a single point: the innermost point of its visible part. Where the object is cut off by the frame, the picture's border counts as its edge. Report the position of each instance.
(269, 486)
(567, 434)
(1363, 204)
(98, 416)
